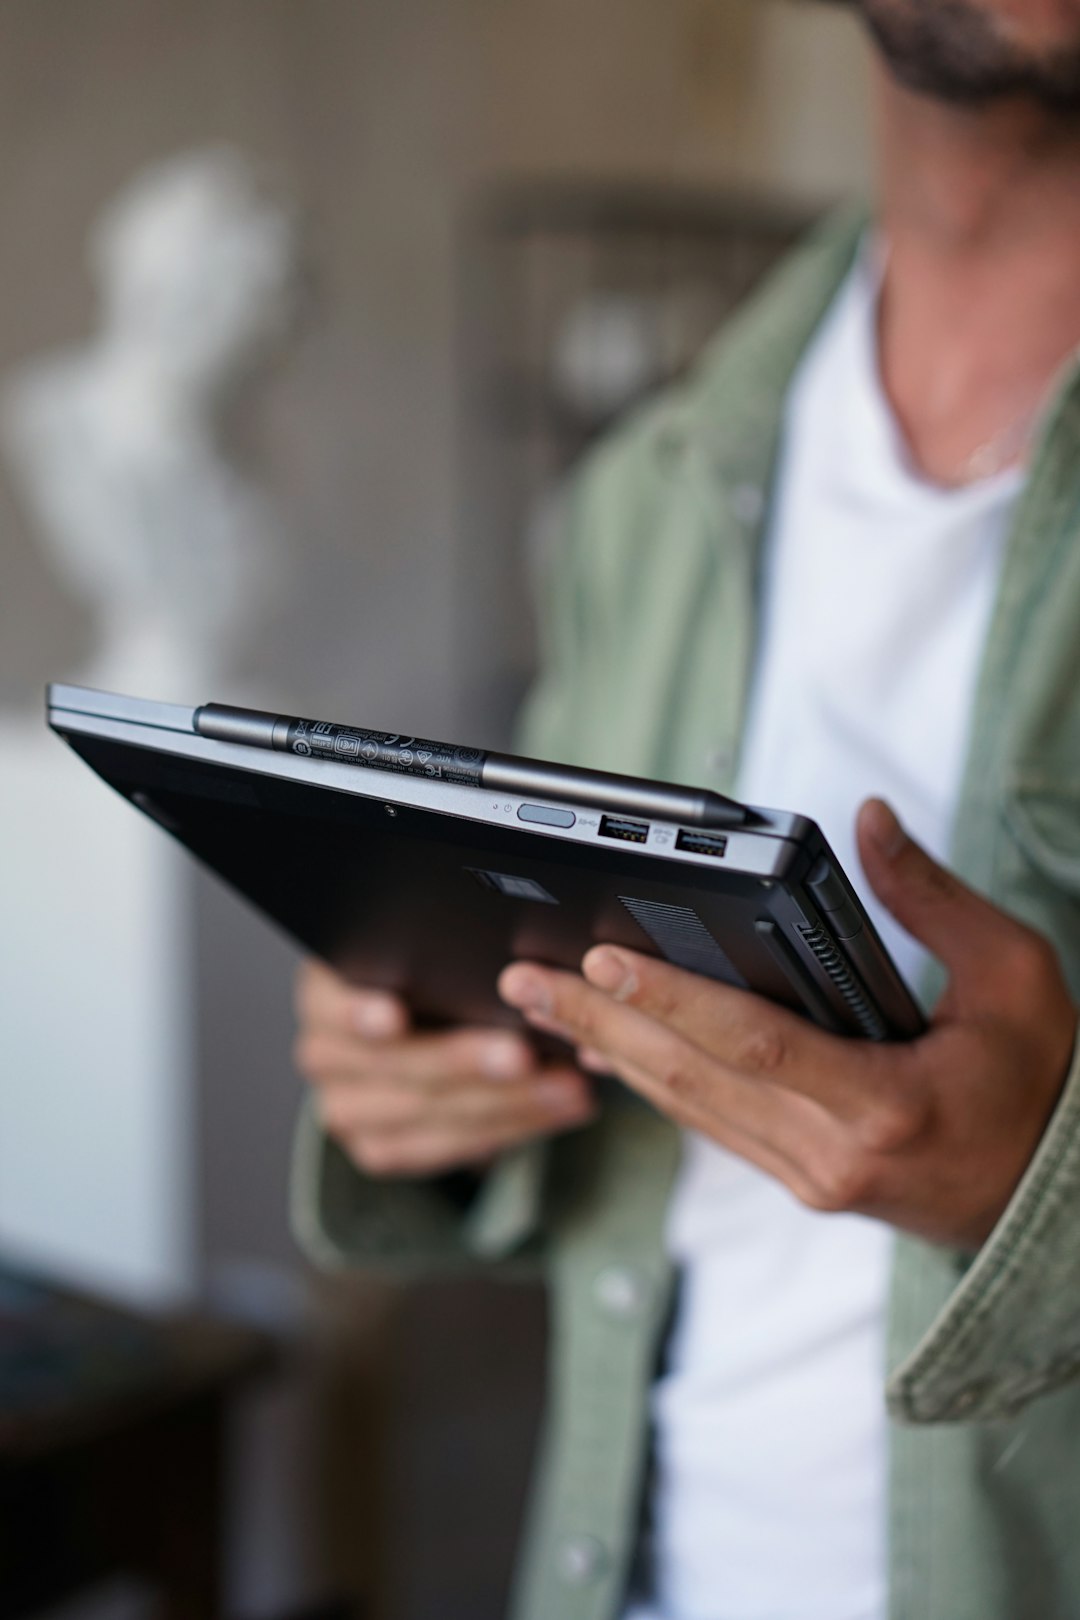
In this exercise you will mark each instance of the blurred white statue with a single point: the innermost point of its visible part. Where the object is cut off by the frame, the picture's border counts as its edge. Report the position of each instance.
(607, 352)
(116, 447)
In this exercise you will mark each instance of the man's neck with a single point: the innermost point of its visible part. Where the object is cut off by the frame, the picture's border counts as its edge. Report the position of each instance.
(980, 209)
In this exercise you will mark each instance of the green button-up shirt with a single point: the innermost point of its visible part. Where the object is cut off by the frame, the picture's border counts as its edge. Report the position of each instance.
(649, 638)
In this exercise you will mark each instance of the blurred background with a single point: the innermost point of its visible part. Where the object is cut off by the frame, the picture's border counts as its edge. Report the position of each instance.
(306, 308)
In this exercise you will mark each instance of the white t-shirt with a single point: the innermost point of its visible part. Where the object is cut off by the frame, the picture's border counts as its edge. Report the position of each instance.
(770, 1428)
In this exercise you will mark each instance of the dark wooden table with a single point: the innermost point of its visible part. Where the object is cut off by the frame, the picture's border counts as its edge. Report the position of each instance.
(112, 1447)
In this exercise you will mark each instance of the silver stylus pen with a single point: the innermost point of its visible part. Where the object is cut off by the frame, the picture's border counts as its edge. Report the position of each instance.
(468, 767)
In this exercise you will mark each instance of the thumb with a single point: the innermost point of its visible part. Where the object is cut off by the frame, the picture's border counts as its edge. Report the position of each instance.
(954, 923)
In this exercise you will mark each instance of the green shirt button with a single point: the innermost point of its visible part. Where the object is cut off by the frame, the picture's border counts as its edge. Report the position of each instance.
(582, 1560)
(621, 1292)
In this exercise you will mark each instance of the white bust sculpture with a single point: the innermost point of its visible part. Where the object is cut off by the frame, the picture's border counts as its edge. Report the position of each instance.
(608, 351)
(116, 448)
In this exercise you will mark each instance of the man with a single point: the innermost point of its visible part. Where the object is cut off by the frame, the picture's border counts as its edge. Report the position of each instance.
(817, 1351)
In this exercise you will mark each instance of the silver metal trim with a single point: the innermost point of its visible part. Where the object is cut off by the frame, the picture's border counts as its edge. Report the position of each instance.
(62, 699)
(753, 853)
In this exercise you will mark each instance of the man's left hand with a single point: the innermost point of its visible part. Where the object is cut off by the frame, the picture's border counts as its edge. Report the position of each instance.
(931, 1135)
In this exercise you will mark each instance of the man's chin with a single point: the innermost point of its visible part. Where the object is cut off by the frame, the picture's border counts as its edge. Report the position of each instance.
(966, 52)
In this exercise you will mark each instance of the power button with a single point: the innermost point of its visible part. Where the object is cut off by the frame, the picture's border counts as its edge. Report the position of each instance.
(543, 815)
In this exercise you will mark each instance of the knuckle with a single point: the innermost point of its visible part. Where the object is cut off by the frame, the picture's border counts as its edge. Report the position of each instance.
(762, 1051)
(1026, 961)
(892, 1123)
(653, 991)
(815, 1195)
(841, 1183)
(681, 1080)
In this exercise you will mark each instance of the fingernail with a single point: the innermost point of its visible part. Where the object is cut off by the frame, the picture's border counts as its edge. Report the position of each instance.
(609, 971)
(505, 1060)
(375, 1017)
(525, 990)
(884, 828)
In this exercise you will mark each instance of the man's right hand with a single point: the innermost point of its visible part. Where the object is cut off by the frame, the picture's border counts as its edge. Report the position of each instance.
(402, 1103)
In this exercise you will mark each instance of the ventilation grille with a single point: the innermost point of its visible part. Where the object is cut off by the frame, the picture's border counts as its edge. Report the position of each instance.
(858, 1003)
(683, 939)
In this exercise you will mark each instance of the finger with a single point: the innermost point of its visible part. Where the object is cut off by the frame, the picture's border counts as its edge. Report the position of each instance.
(859, 1084)
(674, 1071)
(957, 925)
(379, 1106)
(782, 1131)
(428, 1063)
(447, 1144)
(560, 1091)
(743, 1030)
(438, 1150)
(325, 1000)
(748, 1037)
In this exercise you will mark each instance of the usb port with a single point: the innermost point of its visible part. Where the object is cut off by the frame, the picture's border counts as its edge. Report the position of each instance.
(631, 832)
(701, 843)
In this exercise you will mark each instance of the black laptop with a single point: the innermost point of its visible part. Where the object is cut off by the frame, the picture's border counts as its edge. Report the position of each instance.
(424, 867)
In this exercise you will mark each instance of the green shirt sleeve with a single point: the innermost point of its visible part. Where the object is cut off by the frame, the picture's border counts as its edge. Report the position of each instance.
(979, 1338)
(342, 1217)
(1009, 1331)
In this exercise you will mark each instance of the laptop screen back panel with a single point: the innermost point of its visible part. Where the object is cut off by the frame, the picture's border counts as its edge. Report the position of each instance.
(433, 905)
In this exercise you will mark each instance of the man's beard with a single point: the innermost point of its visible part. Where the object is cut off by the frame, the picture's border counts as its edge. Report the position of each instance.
(954, 50)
